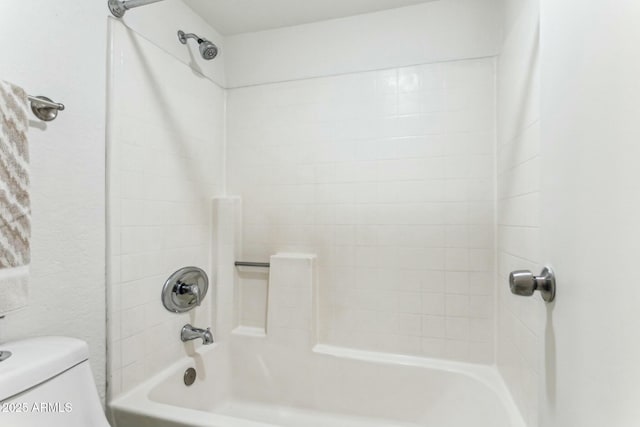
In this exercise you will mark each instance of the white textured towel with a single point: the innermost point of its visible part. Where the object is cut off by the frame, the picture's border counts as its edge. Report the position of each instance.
(15, 205)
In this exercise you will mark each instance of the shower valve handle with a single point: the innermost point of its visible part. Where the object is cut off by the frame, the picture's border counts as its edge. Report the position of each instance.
(524, 283)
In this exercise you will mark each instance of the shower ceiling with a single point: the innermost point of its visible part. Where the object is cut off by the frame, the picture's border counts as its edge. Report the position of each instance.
(245, 16)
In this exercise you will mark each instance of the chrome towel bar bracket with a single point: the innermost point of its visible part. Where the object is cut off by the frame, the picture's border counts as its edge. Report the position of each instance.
(44, 108)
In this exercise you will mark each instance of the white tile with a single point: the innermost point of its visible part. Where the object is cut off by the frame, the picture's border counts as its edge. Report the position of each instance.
(167, 173)
(481, 330)
(457, 328)
(433, 304)
(457, 259)
(457, 282)
(457, 305)
(399, 165)
(132, 321)
(433, 347)
(409, 302)
(456, 349)
(433, 326)
(518, 184)
(481, 307)
(409, 324)
(132, 350)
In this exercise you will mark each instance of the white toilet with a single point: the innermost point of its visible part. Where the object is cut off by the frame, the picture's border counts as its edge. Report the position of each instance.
(47, 381)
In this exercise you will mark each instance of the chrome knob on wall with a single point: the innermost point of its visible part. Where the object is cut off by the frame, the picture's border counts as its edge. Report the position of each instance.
(524, 283)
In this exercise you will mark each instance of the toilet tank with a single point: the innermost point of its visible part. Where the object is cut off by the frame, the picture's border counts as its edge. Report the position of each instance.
(47, 381)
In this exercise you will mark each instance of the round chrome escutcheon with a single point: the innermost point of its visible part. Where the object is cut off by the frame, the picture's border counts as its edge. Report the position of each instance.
(185, 289)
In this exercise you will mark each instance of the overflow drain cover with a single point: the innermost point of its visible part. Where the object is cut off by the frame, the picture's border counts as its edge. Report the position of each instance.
(190, 376)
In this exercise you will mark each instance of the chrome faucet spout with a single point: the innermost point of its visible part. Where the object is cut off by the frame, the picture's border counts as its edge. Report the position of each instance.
(190, 332)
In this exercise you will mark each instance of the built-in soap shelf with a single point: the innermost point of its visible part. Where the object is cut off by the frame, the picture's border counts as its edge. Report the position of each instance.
(279, 301)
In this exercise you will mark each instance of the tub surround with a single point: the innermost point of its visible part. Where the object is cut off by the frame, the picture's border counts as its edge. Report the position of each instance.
(388, 177)
(166, 138)
(520, 321)
(283, 377)
(371, 195)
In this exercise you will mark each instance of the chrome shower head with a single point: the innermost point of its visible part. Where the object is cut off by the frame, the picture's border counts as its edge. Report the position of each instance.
(208, 50)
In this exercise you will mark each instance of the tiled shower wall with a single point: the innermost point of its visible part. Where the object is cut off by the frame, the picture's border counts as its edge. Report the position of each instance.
(166, 134)
(521, 321)
(387, 176)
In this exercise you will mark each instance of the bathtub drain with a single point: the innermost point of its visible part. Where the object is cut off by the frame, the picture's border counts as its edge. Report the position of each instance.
(189, 376)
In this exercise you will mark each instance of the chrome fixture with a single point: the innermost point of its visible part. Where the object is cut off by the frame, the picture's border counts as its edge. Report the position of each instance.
(252, 264)
(4, 355)
(189, 333)
(190, 376)
(44, 108)
(524, 283)
(208, 50)
(185, 289)
(119, 7)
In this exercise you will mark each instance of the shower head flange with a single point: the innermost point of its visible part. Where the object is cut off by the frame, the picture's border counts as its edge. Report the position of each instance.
(182, 37)
(117, 8)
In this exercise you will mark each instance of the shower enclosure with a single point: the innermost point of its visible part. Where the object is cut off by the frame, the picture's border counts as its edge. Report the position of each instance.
(359, 205)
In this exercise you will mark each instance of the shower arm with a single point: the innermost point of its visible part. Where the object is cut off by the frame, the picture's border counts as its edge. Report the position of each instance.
(119, 7)
(183, 37)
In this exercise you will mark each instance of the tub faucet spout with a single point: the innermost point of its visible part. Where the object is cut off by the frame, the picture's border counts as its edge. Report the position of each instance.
(189, 333)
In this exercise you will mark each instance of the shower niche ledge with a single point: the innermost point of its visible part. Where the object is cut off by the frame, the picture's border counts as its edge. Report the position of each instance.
(278, 302)
(250, 331)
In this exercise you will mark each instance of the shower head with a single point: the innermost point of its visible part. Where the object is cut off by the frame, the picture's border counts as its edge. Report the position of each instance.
(208, 50)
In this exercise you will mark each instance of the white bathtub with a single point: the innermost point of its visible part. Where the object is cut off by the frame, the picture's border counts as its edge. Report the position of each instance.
(249, 383)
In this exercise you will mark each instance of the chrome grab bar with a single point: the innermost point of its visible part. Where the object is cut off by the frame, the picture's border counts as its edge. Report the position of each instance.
(252, 264)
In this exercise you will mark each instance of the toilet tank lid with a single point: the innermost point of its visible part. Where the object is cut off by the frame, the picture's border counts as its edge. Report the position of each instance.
(36, 360)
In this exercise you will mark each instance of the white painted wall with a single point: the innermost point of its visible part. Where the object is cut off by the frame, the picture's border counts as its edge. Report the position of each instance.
(520, 320)
(166, 156)
(57, 49)
(388, 177)
(429, 32)
(590, 63)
